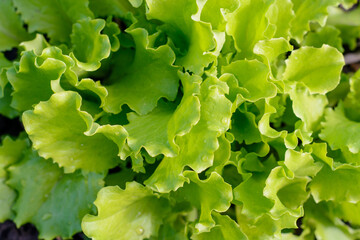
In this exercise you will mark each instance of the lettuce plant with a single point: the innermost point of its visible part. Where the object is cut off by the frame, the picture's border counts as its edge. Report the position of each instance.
(188, 119)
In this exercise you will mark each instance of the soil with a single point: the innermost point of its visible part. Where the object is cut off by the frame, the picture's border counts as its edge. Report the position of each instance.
(8, 231)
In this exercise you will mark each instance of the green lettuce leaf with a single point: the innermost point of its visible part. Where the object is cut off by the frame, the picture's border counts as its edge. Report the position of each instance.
(133, 213)
(270, 49)
(281, 15)
(11, 27)
(351, 102)
(250, 192)
(244, 128)
(302, 99)
(321, 74)
(307, 11)
(252, 79)
(340, 132)
(197, 192)
(320, 223)
(156, 131)
(38, 44)
(248, 25)
(150, 77)
(7, 198)
(42, 185)
(11, 151)
(327, 35)
(215, 113)
(56, 18)
(33, 77)
(151, 131)
(214, 12)
(346, 22)
(5, 101)
(332, 184)
(112, 30)
(33, 178)
(225, 228)
(193, 37)
(89, 45)
(73, 139)
(119, 8)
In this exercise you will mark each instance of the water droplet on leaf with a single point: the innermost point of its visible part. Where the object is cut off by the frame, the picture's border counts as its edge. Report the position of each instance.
(139, 231)
(225, 121)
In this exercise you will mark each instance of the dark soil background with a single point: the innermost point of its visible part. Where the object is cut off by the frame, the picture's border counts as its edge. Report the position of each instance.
(8, 231)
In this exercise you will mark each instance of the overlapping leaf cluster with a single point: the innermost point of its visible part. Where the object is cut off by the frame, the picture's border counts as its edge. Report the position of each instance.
(201, 119)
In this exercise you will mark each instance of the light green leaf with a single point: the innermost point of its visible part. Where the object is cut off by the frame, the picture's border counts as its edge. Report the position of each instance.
(252, 77)
(281, 14)
(193, 37)
(250, 194)
(248, 25)
(11, 27)
(339, 131)
(326, 35)
(352, 100)
(222, 154)
(214, 12)
(11, 151)
(307, 11)
(322, 224)
(215, 113)
(302, 99)
(333, 184)
(33, 77)
(119, 8)
(272, 48)
(197, 192)
(136, 3)
(72, 139)
(301, 164)
(134, 213)
(288, 193)
(38, 44)
(156, 131)
(90, 89)
(225, 229)
(349, 212)
(150, 131)
(264, 228)
(112, 30)
(321, 74)
(54, 18)
(319, 152)
(290, 139)
(89, 45)
(150, 77)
